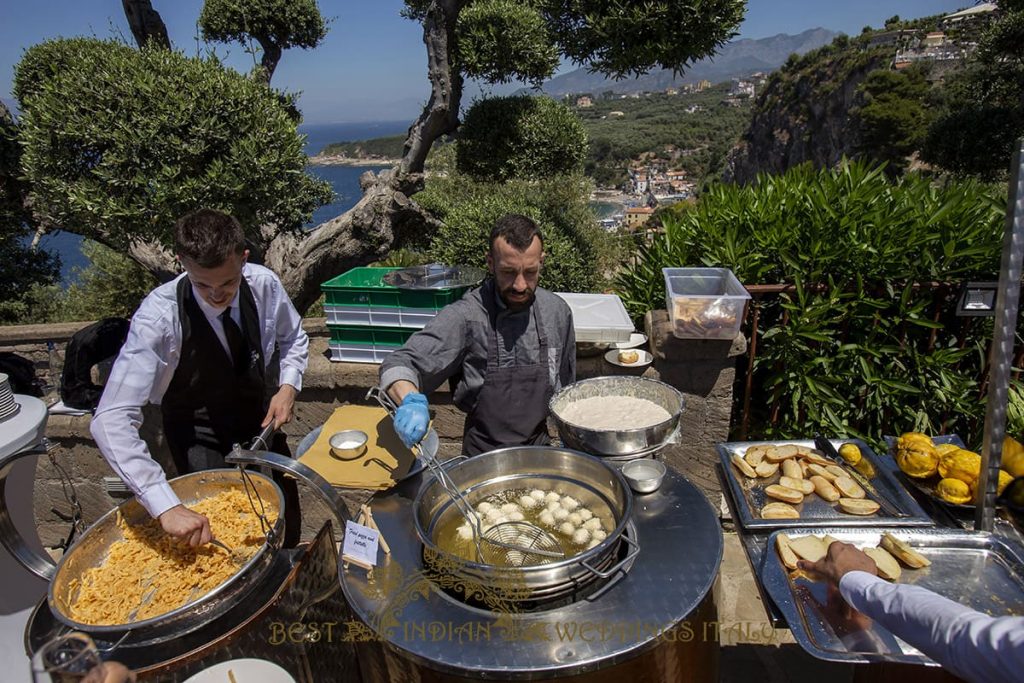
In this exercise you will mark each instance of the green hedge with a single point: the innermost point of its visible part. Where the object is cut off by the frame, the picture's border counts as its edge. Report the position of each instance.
(853, 357)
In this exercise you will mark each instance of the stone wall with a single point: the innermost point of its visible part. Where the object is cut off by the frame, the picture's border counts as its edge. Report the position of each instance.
(704, 371)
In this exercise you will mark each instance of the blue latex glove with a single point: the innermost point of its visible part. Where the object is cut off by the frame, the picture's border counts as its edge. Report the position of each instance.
(412, 419)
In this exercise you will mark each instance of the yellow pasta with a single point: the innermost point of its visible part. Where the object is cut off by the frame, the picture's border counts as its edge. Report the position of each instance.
(149, 561)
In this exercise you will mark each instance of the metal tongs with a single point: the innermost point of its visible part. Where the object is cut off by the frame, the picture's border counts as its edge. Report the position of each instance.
(888, 507)
(504, 539)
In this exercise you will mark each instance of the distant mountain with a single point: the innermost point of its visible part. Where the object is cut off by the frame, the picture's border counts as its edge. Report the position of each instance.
(736, 59)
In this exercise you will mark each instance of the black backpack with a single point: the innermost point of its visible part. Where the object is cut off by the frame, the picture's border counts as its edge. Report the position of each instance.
(21, 373)
(87, 347)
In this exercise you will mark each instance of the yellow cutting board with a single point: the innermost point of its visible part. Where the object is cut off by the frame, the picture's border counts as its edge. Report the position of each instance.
(385, 461)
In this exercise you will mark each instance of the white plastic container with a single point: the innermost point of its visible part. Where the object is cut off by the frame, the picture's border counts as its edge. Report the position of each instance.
(704, 303)
(416, 318)
(598, 317)
(359, 353)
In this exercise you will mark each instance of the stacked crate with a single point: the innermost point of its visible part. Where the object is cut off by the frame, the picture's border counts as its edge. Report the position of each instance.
(368, 318)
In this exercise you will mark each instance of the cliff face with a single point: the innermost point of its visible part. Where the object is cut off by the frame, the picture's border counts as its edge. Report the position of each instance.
(804, 113)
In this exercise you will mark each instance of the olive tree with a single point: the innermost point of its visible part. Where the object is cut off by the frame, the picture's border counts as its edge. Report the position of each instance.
(121, 143)
(117, 145)
(276, 25)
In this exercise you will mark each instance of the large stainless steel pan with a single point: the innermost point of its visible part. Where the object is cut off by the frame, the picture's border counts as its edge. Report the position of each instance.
(91, 549)
(617, 442)
(595, 483)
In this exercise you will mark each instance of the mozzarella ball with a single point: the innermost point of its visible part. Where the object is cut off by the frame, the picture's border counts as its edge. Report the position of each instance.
(567, 528)
(593, 542)
(570, 503)
(561, 514)
(465, 532)
(580, 536)
(599, 535)
(552, 497)
(592, 524)
(546, 518)
(492, 514)
(516, 516)
(554, 505)
(528, 502)
(484, 507)
(537, 495)
(509, 508)
(584, 514)
(575, 518)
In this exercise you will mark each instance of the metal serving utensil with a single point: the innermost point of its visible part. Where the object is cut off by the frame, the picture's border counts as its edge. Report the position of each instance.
(503, 541)
(826, 447)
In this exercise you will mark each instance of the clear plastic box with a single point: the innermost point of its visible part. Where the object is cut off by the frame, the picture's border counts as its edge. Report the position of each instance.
(704, 303)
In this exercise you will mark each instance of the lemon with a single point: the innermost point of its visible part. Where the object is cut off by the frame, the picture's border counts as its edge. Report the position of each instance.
(850, 453)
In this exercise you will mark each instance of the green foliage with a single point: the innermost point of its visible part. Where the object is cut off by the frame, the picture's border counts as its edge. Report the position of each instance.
(126, 141)
(983, 115)
(892, 116)
(402, 258)
(111, 285)
(515, 40)
(286, 23)
(387, 148)
(21, 268)
(501, 41)
(578, 252)
(659, 127)
(520, 137)
(853, 354)
(622, 38)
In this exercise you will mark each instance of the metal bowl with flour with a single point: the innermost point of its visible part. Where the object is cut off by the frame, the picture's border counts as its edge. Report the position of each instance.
(617, 442)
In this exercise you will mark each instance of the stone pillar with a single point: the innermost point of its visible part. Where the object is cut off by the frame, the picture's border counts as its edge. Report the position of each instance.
(704, 371)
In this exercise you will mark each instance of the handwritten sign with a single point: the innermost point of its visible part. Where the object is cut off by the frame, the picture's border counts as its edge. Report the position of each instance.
(360, 543)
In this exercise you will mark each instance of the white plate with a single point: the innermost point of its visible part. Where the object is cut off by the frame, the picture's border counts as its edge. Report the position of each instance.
(636, 339)
(245, 670)
(613, 358)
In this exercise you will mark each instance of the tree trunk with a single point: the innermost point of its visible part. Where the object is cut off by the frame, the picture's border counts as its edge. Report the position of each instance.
(146, 24)
(271, 56)
(441, 113)
(365, 233)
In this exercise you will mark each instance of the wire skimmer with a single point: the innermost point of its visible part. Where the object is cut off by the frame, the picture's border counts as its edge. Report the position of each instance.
(514, 544)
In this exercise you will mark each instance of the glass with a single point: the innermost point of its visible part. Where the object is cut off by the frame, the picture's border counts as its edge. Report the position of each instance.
(72, 657)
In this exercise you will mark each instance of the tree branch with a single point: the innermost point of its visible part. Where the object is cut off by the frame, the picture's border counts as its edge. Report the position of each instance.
(271, 56)
(145, 23)
(441, 113)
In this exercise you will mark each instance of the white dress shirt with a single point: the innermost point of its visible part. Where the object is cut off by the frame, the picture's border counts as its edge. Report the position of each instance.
(972, 645)
(147, 361)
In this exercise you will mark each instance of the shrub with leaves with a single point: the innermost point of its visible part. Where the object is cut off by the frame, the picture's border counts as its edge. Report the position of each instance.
(520, 137)
(857, 347)
(123, 142)
(577, 250)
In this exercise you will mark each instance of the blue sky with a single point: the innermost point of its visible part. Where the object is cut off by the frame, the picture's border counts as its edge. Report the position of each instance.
(372, 64)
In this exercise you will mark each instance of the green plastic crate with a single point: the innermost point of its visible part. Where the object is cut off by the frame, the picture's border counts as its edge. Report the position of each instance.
(378, 336)
(366, 287)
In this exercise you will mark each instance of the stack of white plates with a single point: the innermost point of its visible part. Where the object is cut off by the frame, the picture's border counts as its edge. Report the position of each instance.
(8, 406)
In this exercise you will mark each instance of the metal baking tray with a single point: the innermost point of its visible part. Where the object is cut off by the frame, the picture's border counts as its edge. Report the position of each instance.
(977, 569)
(750, 497)
(927, 486)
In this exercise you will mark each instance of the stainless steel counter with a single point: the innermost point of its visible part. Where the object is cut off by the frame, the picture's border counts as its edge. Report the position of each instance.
(646, 604)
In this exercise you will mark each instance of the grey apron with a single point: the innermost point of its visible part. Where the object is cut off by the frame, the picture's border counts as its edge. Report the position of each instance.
(512, 405)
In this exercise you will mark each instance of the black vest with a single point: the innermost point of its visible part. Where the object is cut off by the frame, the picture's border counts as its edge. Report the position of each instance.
(209, 402)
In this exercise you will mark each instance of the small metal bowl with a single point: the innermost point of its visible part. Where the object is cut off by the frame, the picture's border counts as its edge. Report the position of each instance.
(645, 475)
(349, 444)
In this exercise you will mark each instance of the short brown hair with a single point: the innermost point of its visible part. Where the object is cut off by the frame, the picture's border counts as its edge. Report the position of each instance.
(207, 237)
(517, 230)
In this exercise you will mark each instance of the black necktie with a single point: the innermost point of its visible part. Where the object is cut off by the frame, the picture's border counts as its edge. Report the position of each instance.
(236, 343)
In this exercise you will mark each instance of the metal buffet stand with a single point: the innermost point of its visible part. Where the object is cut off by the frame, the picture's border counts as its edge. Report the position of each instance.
(978, 552)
